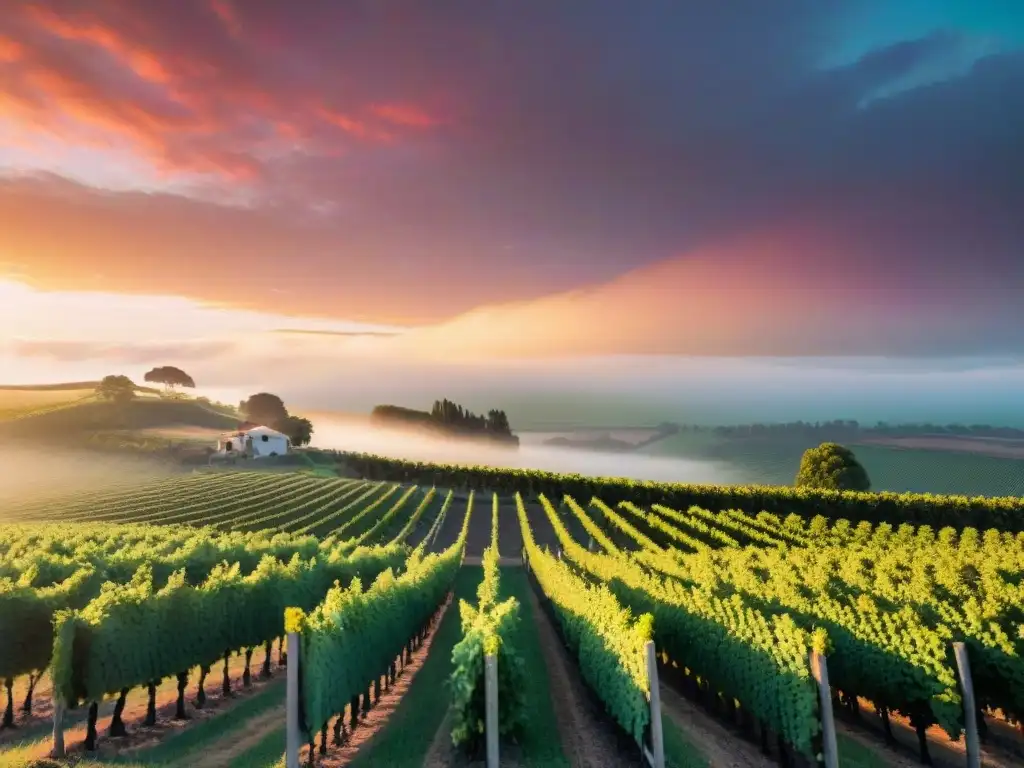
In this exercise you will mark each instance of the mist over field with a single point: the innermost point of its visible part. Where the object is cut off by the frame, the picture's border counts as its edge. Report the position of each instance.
(350, 435)
(38, 473)
(329, 373)
(647, 390)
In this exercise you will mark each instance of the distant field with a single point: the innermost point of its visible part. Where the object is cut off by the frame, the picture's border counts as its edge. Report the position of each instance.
(775, 462)
(18, 402)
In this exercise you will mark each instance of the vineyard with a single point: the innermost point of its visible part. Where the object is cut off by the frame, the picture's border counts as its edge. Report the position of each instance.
(213, 618)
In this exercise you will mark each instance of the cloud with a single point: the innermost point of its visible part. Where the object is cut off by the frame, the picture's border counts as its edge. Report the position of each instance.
(66, 351)
(791, 291)
(404, 164)
(344, 334)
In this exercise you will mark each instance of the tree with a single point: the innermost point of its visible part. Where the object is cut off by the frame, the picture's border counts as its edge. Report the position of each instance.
(170, 377)
(832, 466)
(117, 389)
(265, 408)
(298, 429)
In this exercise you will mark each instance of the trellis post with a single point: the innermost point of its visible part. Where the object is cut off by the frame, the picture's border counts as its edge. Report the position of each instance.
(819, 669)
(491, 708)
(963, 665)
(58, 727)
(292, 736)
(657, 754)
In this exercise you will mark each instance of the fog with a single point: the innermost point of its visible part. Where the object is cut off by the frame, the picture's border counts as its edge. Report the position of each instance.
(629, 391)
(352, 435)
(331, 373)
(36, 473)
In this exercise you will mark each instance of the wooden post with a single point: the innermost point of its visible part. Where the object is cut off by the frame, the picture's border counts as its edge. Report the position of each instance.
(293, 739)
(491, 708)
(58, 728)
(963, 664)
(819, 669)
(657, 737)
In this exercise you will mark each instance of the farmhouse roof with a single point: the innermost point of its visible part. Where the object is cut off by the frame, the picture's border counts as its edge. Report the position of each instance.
(254, 430)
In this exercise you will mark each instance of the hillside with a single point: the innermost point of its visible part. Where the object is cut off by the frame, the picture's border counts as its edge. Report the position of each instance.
(20, 400)
(84, 419)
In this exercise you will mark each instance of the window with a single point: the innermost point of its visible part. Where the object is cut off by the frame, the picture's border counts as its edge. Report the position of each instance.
(266, 438)
(227, 446)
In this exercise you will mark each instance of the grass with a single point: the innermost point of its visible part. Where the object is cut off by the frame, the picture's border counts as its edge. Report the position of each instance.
(409, 732)
(178, 748)
(411, 728)
(540, 743)
(266, 753)
(680, 753)
(17, 403)
(774, 461)
(853, 754)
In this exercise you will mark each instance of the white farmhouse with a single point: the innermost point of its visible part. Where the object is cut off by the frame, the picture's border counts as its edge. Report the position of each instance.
(255, 443)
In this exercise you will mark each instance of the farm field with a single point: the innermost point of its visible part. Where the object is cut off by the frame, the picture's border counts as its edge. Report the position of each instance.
(774, 461)
(15, 402)
(160, 610)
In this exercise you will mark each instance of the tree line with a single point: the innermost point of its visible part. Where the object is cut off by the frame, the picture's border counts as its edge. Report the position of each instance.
(262, 408)
(448, 416)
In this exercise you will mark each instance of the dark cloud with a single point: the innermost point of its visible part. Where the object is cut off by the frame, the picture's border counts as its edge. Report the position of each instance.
(407, 161)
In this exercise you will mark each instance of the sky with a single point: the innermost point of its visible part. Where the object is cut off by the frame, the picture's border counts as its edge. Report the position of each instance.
(467, 181)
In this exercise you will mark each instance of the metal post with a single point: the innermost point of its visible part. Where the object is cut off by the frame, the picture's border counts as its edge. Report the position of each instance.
(58, 728)
(292, 736)
(819, 669)
(963, 664)
(657, 738)
(491, 708)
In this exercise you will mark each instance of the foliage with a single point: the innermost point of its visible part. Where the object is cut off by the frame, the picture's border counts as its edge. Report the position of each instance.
(264, 408)
(1006, 513)
(486, 631)
(759, 659)
(298, 429)
(134, 633)
(607, 643)
(116, 388)
(48, 567)
(447, 416)
(892, 601)
(833, 467)
(269, 410)
(170, 376)
(354, 635)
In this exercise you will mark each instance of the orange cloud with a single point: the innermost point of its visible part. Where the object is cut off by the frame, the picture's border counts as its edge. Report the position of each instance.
(358, 128)
(10, 50)
(184, 109)
(228, 16)
(141, 61)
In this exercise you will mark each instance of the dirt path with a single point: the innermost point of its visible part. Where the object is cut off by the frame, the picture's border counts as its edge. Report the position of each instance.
(943, 751)
(586, 742)
(377, 718)
(140, 736)
(896, 759)
(439, 754)
(511, 562)
(221, 752)
(452, 523)
(723, 748)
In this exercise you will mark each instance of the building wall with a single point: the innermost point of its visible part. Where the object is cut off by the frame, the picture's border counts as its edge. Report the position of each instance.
(278, 445)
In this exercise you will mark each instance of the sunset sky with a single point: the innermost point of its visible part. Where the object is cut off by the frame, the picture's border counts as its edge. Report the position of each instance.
(510, 179)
